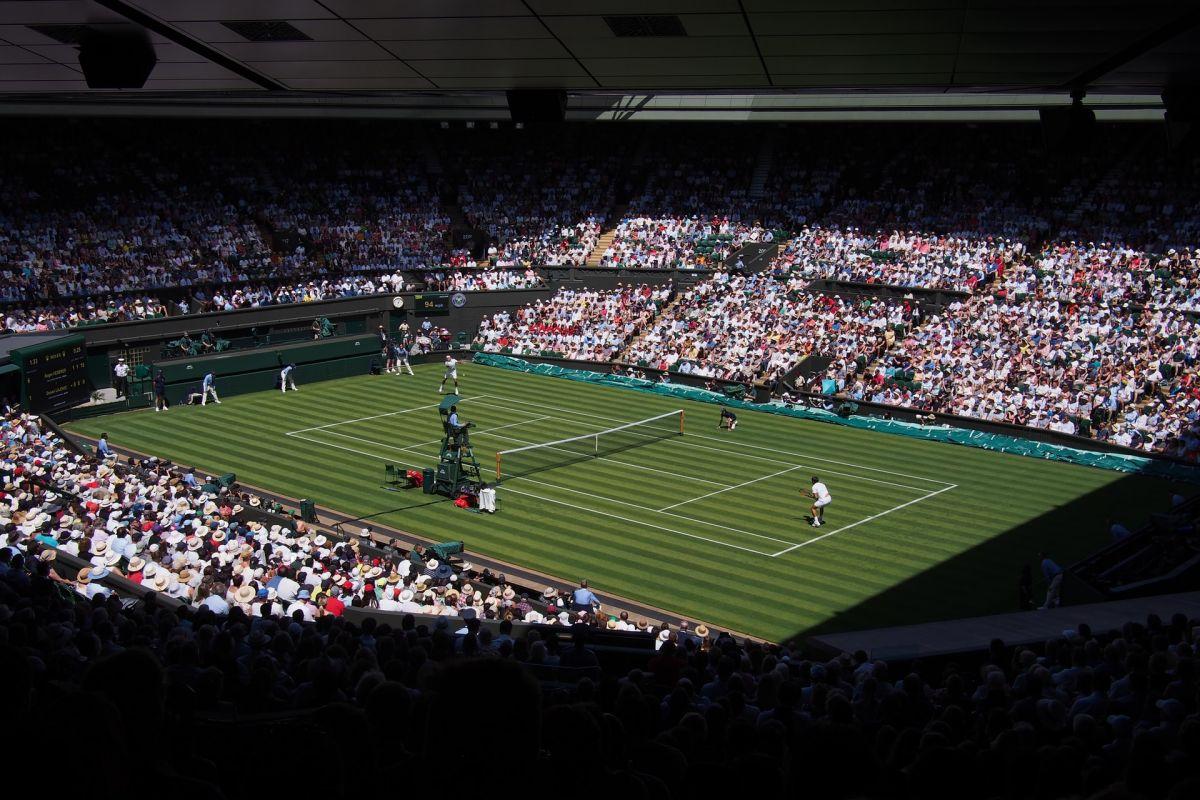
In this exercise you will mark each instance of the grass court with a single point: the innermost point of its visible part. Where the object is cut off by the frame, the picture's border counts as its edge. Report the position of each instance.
(709, 525)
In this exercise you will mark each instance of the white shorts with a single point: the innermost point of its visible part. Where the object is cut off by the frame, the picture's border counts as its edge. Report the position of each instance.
(451, 375)
(822, 503)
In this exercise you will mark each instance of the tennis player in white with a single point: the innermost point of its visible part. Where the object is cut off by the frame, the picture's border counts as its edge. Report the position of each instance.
(821, 498)
(451, 374)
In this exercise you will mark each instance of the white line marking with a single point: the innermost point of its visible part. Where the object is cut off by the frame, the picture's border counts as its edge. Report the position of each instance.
(624, 463)
(352, 450)
(482, 432)
(731, 488)
(636, 522)
(861, 521)
(724, 441)
(378, 416)
(733, 453)
(648, 508)
(413, 446)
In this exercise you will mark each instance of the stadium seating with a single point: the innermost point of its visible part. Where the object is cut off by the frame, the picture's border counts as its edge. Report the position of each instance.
(674, 710)
(1099, 249)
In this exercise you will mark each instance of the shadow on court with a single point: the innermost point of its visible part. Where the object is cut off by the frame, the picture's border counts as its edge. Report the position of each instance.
(985, 579)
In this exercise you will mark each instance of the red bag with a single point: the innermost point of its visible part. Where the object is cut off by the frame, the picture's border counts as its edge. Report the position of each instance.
(415, 478)
(462, 502)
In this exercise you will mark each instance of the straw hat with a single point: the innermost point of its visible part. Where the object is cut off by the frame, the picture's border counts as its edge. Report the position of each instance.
(136, 564)
(244, 594)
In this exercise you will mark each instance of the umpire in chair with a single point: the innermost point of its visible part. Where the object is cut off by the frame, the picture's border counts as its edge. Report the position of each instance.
(455, 427)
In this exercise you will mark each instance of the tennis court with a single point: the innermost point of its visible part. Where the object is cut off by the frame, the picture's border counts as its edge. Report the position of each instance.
(692, 484)
(708, 525)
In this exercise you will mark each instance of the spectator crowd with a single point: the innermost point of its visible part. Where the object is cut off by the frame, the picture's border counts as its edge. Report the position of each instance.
(584, 324)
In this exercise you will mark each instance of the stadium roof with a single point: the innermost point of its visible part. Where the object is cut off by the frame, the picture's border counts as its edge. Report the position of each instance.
(952, 47)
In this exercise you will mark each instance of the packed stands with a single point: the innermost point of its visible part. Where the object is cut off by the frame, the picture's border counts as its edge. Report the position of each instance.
(741, 328)
(897, 258)
(542, 196)
(182, 534)
(577, 324)
(481, 280)
(1087, 714)
(1117, 374)
(694, 209)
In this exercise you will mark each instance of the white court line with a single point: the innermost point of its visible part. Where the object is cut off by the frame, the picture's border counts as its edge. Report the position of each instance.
(626, 519)
(378, 416)
(861, 521)
(685, 443)
(731, 488)
(402, 448)
(624, 463)
(636, 522)
(648, 508)
(352, 450)
(725, 441)
(482, 432)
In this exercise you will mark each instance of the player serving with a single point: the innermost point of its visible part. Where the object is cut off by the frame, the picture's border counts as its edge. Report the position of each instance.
(821, 498)
(451, 374)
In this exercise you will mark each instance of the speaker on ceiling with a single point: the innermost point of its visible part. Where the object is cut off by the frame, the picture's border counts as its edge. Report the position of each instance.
(116, 59)
(537, 106)
(1067, 128)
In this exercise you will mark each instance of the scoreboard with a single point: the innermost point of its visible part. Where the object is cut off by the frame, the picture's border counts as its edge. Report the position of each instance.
(54, 374)
(431, 305)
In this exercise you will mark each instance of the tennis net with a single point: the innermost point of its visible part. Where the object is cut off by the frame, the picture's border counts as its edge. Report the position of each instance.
(548, 455)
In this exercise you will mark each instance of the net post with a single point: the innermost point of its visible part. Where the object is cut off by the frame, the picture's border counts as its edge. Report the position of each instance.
(681, 413)
(497, 467)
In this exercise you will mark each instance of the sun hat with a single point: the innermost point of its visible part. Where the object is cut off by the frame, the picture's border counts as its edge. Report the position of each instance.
(136, 564)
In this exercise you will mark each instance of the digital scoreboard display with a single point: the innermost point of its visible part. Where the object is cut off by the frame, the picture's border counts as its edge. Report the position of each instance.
(54, 375)
(431, 305)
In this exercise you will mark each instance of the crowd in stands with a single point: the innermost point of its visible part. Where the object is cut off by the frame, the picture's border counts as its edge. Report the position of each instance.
(200, 300)
(481, 280)
(1096, 714)
(580, 324)
(1107, 274)
(38, 317)
(897, 258)
(1117, 374)
(693, 210)
(758, 327)
(182, 534)
(542, 197)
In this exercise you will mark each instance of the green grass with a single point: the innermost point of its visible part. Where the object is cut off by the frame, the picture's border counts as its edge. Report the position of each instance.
(917, 531)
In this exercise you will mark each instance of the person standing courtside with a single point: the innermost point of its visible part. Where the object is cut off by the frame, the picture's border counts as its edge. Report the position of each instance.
(121, 377)
(160, 392)
(401, 354)
(209, 387)
(286, 381)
